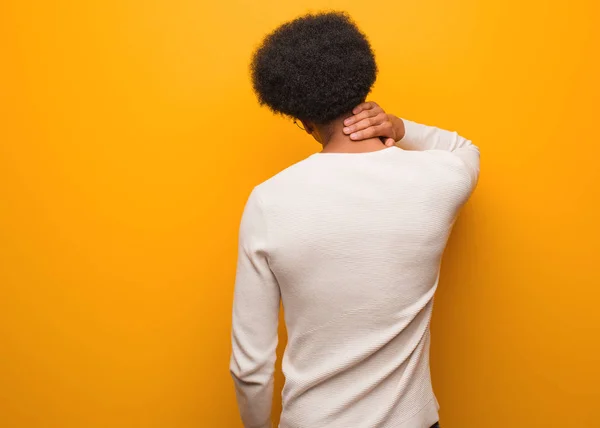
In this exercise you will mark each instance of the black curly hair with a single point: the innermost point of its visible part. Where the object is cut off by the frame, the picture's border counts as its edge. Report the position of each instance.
(316, 67)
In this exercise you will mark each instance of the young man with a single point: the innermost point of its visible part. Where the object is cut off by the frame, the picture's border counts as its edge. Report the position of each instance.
(350, 238)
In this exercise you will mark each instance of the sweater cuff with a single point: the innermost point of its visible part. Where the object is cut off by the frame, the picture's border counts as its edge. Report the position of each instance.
(409, 129)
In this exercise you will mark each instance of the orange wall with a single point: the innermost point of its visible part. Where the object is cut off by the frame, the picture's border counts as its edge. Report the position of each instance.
(130, 139)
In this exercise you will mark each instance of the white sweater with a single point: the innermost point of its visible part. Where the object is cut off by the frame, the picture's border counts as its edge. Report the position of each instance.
(352, 244)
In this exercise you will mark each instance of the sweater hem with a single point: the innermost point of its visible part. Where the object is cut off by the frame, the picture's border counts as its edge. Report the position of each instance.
(424, 418)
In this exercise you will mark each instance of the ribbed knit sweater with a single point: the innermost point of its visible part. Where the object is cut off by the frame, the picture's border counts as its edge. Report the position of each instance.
(352, 244)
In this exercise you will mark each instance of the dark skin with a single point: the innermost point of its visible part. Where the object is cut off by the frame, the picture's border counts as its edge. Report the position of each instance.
(368, 129)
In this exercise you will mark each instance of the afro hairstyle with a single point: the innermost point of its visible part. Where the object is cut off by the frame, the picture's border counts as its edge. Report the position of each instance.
(316, 67)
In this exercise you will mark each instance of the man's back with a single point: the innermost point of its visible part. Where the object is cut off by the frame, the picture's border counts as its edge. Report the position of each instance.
(352, 243)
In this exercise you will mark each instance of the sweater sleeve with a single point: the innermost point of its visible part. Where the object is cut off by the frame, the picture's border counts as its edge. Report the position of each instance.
(255, 320)
(423, 137)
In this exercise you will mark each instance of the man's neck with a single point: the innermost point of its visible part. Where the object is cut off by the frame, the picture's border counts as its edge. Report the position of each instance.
(338, 142)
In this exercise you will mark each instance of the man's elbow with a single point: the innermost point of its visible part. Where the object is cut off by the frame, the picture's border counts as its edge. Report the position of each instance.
(251, 372)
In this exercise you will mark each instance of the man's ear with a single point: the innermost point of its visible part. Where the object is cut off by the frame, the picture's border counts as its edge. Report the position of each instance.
(307, 126)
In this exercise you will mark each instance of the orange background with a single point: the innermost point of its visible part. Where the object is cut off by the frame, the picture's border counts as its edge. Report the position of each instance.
(130, 140)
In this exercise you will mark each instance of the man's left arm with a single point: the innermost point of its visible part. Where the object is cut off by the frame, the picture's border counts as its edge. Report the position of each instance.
(255, 320)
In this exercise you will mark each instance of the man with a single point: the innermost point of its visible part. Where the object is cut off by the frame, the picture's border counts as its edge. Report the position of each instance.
(350, 238)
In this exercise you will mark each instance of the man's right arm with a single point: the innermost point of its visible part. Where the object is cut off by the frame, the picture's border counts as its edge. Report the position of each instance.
(369, 120)
(415, 136)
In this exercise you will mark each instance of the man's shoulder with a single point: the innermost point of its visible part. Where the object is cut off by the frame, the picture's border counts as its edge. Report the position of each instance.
(446, 162)
(295, 173)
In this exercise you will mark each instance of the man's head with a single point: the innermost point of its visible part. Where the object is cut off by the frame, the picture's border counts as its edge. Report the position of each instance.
(315, 68)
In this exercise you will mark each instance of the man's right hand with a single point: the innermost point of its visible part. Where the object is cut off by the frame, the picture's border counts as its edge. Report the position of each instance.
(369, 120)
